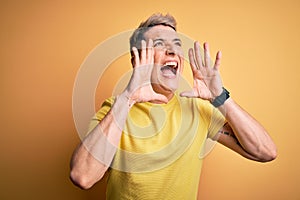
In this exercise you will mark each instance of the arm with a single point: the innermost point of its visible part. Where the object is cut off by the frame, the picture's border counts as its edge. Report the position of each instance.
(248, 137)
(94, 155)
(245, 135)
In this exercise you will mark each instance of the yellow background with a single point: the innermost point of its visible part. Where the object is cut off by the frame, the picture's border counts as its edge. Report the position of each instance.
(43, 44)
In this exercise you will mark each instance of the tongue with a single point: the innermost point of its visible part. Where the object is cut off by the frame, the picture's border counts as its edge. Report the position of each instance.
(168, 70)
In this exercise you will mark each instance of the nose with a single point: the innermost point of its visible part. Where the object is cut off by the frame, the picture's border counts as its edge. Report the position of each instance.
(170, 50)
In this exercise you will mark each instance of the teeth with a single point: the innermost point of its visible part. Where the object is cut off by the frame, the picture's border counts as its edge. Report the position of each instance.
(173, 63)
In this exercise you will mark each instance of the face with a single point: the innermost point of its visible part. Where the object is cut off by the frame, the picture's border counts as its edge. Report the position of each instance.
(168, 58)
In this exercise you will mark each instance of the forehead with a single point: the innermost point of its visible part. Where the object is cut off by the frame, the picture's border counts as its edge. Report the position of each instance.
(161, 31)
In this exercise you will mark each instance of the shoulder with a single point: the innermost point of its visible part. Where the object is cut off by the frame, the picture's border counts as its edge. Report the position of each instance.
(203, 106)
(100, 114)
(108, 102)
(105, 107)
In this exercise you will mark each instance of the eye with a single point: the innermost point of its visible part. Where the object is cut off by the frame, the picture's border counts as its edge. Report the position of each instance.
(178, 43)
(158, 44)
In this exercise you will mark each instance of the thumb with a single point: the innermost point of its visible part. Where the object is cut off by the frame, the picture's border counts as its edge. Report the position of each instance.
(189, 94)
(161, 98)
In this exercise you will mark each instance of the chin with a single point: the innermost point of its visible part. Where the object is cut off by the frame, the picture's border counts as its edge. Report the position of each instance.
(170, 85)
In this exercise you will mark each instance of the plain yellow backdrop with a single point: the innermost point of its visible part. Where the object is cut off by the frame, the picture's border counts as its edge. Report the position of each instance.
(44, 43)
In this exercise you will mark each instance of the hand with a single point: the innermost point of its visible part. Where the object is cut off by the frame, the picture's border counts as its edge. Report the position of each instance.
(207, 79)
(139, 88)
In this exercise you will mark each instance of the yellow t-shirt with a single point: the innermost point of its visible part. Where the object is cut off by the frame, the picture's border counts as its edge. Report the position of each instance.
(159, 151)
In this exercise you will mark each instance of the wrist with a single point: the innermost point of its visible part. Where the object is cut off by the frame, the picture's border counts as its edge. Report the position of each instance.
(220, 100)
(127, 100)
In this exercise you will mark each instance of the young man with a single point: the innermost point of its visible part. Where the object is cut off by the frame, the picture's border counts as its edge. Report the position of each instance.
(150, 137)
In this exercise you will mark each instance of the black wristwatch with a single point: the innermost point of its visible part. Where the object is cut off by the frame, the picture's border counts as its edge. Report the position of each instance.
(220, 100)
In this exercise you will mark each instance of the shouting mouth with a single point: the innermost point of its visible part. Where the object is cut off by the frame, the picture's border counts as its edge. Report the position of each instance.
(169, 69)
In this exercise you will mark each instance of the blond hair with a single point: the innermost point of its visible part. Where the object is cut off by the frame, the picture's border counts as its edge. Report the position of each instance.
(153, 20)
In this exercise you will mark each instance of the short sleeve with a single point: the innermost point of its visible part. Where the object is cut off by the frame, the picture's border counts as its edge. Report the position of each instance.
(105, 108)
(217, 121)
(211, 116)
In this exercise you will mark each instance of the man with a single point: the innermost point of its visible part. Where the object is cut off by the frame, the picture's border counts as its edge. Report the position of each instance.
(150, 137)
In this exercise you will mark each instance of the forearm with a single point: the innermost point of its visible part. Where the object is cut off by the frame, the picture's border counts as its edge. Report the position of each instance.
(93, 156)
(250, 134)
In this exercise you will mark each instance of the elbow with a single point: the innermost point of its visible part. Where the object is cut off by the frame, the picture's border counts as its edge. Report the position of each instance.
(81, 181)
(85, 176)
(272, 155)
(267, 155)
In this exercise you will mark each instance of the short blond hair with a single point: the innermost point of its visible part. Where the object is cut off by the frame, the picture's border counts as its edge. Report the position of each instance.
(153, 20)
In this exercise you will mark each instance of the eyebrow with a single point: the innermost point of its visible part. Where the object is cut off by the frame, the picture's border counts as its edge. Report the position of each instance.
(174, 40)
(177, 40)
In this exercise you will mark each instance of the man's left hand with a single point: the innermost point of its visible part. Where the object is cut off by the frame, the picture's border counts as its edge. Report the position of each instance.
(207, 79)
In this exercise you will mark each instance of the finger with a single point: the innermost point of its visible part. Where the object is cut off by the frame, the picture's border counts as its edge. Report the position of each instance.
(218, 60)
(189, 94)
(150, 51)
(207, 59)
(136, 56)
(192, 60)
(161, 98)
(198, 54)
(143, 52)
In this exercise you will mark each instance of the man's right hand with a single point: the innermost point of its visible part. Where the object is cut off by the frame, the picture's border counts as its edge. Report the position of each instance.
(139, 88)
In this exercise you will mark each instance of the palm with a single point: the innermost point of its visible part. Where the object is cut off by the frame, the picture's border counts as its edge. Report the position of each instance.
(139, 88)
(207, 81)
(200, 88)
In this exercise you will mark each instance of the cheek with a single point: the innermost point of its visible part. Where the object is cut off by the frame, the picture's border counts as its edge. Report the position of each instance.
(155, 71)
(178, 50)
(158, 54)
(181, 69)
(181, 64)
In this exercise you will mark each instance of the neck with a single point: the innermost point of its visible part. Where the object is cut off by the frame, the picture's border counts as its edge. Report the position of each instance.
(159, 89)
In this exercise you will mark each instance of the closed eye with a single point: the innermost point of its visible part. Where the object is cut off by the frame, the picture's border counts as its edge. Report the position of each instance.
(158, 44)
(178, 44)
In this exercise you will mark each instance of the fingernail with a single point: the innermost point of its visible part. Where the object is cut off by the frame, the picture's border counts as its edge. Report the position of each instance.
(205, 45)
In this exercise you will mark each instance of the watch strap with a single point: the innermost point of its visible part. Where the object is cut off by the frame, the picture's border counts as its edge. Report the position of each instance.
(220, 100)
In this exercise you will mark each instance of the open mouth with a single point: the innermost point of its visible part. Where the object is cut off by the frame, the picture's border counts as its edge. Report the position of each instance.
(169, 68)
